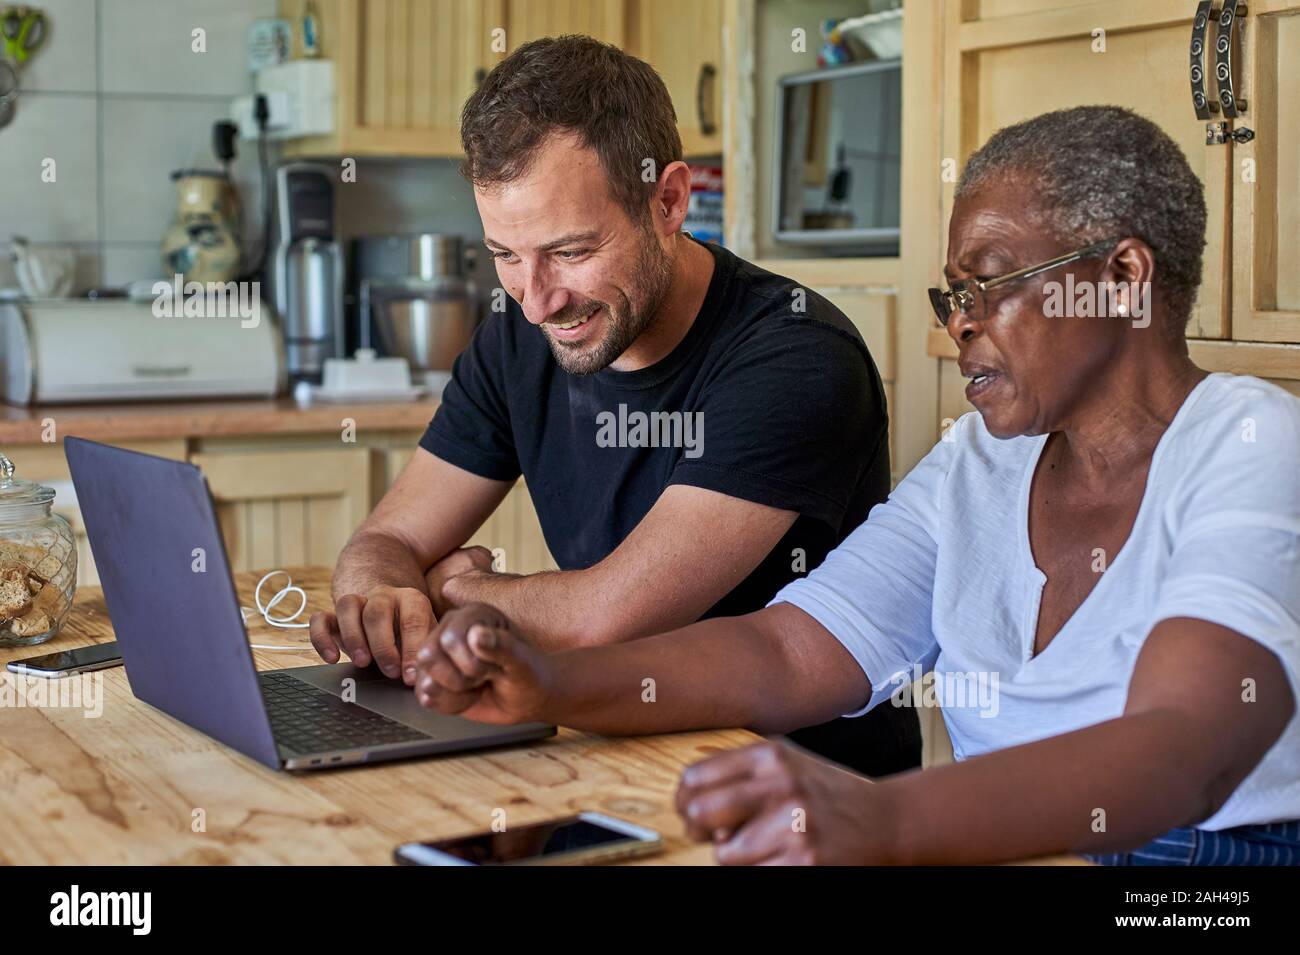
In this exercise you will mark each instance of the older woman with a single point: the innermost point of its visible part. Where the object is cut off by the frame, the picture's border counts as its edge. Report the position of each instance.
(1104, 561)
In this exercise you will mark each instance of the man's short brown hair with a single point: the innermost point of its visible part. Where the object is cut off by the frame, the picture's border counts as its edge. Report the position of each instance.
(616, 105)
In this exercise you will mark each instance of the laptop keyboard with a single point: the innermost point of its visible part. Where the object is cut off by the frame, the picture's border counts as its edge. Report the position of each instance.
(306, 719)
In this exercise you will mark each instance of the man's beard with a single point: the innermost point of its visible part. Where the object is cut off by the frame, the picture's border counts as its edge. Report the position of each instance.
(624, 320)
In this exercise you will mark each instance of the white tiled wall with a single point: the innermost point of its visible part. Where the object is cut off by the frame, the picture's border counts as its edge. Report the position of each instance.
(145, 45)
(118, 99)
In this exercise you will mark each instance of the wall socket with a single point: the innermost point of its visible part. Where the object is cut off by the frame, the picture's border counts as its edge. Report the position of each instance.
(300, 101)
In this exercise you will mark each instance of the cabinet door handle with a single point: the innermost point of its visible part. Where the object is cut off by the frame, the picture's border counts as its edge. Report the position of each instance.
(160, 371)
(1223, 47)
(1196, 52)
(708, 74)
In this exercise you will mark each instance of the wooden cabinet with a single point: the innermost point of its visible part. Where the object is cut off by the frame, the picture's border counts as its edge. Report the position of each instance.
(281, 508)
(404, 68)
(1266, 203)
(526, 20)
(682, 39)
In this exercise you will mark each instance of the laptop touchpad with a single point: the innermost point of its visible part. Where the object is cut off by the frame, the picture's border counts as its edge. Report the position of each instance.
(389, 697)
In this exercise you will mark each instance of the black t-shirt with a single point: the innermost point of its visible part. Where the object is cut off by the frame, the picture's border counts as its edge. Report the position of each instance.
(771, 397)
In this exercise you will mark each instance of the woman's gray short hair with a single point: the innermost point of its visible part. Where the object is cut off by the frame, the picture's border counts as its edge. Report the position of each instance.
(1100, 171)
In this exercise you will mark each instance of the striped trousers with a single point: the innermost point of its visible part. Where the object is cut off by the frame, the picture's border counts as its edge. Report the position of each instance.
(1276, 843)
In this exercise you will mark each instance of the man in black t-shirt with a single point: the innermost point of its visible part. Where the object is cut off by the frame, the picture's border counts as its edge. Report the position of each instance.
(694, 431)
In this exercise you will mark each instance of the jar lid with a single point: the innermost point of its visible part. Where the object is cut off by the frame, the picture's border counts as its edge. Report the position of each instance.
(178, 174)
(16, 490)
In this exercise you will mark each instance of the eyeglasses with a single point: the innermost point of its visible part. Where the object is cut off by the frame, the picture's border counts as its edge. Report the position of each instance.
(967, 295)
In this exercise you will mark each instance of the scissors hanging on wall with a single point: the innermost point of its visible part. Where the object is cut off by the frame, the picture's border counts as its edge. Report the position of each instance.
(22, 32)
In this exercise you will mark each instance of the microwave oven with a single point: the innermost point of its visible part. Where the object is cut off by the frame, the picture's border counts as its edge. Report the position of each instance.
(838, 150)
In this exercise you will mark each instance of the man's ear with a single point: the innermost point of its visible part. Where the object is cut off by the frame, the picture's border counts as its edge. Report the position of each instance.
(672, 198)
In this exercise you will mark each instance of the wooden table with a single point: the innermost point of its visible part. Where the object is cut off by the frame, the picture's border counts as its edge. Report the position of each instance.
(134, 786)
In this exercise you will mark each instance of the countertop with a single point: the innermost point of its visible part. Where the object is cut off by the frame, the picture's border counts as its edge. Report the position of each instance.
(199, 419)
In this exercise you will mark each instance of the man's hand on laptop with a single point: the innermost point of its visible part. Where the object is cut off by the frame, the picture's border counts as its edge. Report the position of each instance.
(387, 625)
(477, 665)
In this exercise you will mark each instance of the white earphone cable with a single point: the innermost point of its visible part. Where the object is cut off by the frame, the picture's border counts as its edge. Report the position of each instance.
(264, 609)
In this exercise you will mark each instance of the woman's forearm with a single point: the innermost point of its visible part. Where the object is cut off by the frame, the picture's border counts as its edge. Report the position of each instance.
(766, 671)
(1106, 787)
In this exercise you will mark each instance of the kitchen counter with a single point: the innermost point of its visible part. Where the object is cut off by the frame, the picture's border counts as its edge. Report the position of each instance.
(202, 419)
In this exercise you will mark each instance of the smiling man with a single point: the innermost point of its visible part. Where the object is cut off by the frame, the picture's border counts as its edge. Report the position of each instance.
(695, 432)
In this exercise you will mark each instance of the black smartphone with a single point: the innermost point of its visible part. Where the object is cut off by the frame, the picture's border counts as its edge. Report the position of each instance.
(584, 839)
(101, 656)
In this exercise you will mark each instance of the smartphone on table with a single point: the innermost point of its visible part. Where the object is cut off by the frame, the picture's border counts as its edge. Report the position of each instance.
(589, 838)
(100, 656)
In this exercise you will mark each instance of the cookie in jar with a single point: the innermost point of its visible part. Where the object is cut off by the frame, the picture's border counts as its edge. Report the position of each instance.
(38, 561)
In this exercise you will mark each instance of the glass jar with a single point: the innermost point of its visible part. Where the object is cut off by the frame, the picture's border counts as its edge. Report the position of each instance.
(38, 561)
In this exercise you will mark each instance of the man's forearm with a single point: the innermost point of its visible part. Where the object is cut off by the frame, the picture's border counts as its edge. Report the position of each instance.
(373, 559)
(1110, 786)
(692, 549)
(727, 672)
(556, 610)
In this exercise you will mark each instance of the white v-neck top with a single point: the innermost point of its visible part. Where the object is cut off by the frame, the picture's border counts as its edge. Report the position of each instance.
(942, 576)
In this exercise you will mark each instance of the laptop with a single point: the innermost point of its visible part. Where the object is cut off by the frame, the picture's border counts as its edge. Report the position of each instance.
(167, 584)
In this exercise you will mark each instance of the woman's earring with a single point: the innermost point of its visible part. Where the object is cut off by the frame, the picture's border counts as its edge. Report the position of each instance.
(1122, 310)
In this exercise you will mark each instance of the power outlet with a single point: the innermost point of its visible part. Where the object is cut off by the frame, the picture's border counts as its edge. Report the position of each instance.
(300, 98)
(279, 120)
